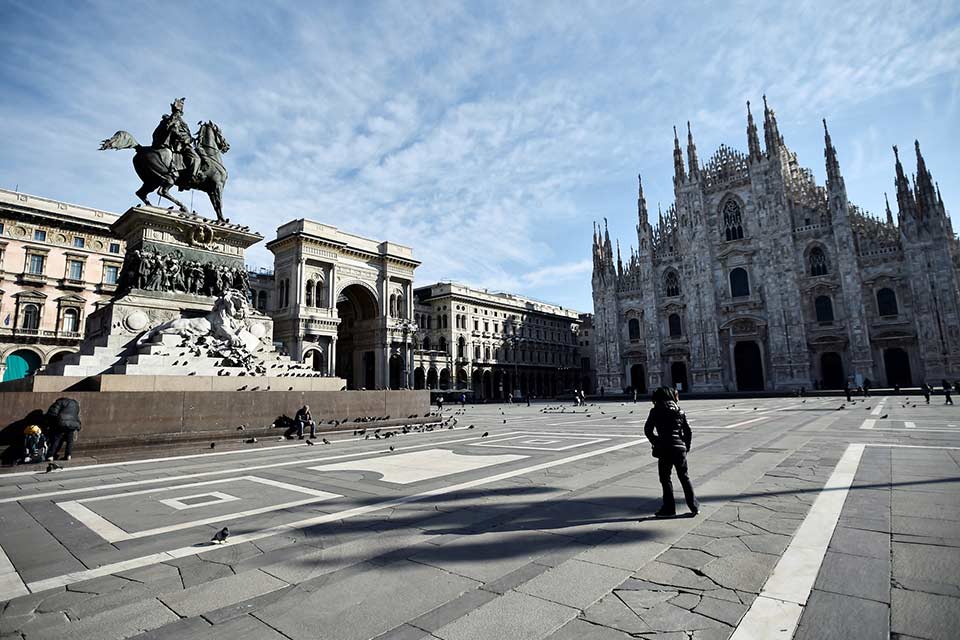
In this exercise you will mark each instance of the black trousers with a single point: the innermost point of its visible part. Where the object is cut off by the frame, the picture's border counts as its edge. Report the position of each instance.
(65, 435)
(675, 459)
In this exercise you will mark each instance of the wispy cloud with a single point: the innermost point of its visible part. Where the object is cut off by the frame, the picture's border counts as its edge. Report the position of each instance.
(485, 135)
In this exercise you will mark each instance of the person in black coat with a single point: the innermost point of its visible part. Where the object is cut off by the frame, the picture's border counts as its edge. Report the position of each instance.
(63, 420)
(304, 419)
(667, 430)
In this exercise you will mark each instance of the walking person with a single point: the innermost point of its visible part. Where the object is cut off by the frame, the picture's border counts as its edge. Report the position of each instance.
(634, 395)
(63, 419)
(305, 419)
(846, 390)
(463, 399)
(439, 403)
(866, 388)
(925, 390)
(667, 430)
(946, 392)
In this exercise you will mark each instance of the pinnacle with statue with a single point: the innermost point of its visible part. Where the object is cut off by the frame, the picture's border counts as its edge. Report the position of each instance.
(178, 158)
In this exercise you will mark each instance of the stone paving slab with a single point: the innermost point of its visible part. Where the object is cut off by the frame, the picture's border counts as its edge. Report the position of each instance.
(554, 552)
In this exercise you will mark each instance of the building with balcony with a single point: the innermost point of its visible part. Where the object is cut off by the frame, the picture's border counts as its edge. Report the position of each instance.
(492, 344)
(58, 262)
(756, 278)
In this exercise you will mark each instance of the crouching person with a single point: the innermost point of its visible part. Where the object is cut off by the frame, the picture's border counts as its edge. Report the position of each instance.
(667, 430)
(63, 420)
(34, 444)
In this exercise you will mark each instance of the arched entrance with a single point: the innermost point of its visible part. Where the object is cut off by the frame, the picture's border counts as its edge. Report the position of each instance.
(897, 365)
(396, 372)
(357, 337)
(314, 358)
(462, 379)
(749, 366)
(831, 371)
(678, 373)
(432, 378)
(638, 380)
(487, 385)
(445, 379)
(20, 364)
(477, 383)
(419, 378)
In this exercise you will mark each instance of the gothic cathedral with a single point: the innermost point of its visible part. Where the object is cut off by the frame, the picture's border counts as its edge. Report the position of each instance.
(756, 278)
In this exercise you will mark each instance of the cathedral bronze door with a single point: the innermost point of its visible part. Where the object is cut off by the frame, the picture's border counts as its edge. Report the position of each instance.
(831, 371)
(749, 366)
(678, 374)
(637, 379)
(897, 365)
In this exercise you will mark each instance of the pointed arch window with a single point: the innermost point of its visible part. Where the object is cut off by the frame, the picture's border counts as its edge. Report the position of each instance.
(671, 284)
(461, 347)
(443, 344)
(633, 328)
(426, 343)
(310, 290)
(732, 220)
(818, 262)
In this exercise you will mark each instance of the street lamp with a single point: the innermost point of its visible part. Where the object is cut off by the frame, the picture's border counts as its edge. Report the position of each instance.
(513, 341)
(406, 326)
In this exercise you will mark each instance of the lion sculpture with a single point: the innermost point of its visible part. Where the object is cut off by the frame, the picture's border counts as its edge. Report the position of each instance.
(225, 324)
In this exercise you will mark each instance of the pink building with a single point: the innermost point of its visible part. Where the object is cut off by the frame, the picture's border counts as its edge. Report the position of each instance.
(58, 262)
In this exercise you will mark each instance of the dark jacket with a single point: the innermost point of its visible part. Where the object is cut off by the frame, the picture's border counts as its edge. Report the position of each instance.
(303, 416)
(667, 428)
(64, 414)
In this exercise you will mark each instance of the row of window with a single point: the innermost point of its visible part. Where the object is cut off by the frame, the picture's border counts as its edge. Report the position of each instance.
(29, 318)
(522, 355)
(822, 305)
(79, 242)
(36, 265)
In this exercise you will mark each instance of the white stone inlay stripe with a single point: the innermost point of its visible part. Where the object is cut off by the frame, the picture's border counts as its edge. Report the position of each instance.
(530, 442)
(216, 497)
(877, 409)
(407, 468)
(11, 585)
(776, 611)
(182, 552)
(910, 425)
(868, 424)
(112, 533)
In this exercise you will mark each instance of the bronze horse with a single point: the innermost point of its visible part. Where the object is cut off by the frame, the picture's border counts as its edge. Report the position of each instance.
(161, 169)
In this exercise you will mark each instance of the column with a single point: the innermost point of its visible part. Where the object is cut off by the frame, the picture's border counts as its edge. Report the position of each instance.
(385, 366)
(332, 356)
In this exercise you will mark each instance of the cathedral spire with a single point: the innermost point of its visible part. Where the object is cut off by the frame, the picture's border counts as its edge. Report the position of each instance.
(771, 134)
(905, 202)
(834, 179)
(926, 194)
(692, 155)
(679, 175)
(641, 204)
(619, 261)
(889, 213)
(753, 140)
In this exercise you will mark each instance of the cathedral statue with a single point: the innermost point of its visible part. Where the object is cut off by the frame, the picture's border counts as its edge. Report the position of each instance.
(178, 158)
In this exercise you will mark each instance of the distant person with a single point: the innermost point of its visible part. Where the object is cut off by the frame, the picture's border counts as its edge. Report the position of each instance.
(847, 391)
(946, 392)
(667, 430)
(866, 387)
(634, 396)
(528, 399)
(896, 388)
(925, 390)
(602, 391)
(463, 399)
(439, 403)
(304, 419)
(34, 444)
(63, 419)
(510, 398)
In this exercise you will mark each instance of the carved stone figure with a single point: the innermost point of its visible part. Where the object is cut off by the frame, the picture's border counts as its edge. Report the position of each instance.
(177, 158)
(223, 323)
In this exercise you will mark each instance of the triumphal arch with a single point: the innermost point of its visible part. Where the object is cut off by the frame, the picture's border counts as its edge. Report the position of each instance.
(344, 303)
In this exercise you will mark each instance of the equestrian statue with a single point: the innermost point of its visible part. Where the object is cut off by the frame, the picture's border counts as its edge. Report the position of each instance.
(178, 158)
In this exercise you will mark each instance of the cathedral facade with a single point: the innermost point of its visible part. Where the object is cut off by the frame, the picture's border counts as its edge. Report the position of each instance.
(756, 278)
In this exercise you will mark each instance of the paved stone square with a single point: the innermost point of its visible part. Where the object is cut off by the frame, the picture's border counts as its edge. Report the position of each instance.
(816, 522)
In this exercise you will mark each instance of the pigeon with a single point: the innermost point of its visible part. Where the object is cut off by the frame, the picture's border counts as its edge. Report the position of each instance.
(310, 442)
(325, 441)
(251, 441)
(220, 536)
(485, 434)
(614, 418)
(883, 417)
(754, 408)
(866, 409)
(241, 428)
(213, 445)
(470, 427)
(391, 447)
(504, 422)
(53, 466)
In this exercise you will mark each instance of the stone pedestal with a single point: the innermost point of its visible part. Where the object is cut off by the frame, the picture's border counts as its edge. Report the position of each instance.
(182, 268)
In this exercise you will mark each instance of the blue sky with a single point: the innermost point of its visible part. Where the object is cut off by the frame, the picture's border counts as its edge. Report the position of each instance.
(488, 136)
